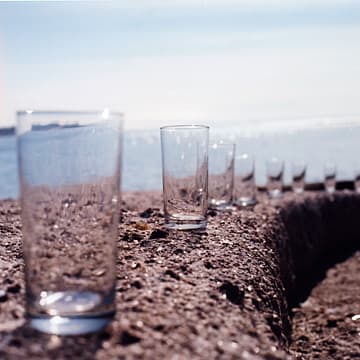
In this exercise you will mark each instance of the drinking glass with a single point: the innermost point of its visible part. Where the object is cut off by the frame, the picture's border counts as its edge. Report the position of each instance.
(330, 177)
(69, 167)
(357, 181)
(185, 175)
(298, 170)
(221, 175)
(244, 187)
(274, 173)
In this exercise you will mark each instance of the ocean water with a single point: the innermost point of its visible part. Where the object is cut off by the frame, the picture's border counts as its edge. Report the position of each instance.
(142, 154)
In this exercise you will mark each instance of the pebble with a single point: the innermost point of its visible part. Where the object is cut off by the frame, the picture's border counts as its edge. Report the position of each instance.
(3, 296)
(99, 272)
(227, 347)
(14, 289)
(147, 213)
(158, 234)
(142, 226)
(139, 324)
(54, 342)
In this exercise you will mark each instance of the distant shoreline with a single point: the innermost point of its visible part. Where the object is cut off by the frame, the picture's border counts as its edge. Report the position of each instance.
(7, 131)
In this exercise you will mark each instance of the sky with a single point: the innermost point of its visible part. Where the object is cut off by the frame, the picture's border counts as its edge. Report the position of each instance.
(161, 62)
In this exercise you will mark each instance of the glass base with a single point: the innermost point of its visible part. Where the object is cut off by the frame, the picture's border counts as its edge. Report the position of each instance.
(186, 224)
(275, 194)
(298, 190)
(330, 189)
(70, 312)
(244, 202)
(222, 207)
(64, 325)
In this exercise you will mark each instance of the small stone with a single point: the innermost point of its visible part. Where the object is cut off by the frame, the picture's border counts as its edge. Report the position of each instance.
(158, 234)
(145, 243)
(232, 292)
(54, 342)
(126, 338)
(14, 289)
(212, 212)
(136, 236)
(178, 251)
(172, 274)
(3, 296)
(15, 342)
(331, 323)
(142, 226)
(35, 348)
(147, 213)
(137, 284)
(99, 272)
(139, 324)
(18, 312)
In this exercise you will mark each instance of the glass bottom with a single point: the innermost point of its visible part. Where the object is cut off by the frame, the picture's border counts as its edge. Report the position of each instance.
(189, 222)
(245, 201)
(298, 190)
(330, 189)
(66, 325)
(70, 312)
(221, 205)
(275, 194)
(330, 184)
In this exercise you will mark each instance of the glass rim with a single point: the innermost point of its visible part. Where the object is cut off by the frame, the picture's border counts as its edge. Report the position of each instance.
(245, 156)
(275, 159)
(211, 144)
(184, 127)
(30, 112)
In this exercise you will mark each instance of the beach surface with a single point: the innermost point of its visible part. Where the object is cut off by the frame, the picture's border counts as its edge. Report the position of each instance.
(239, 290)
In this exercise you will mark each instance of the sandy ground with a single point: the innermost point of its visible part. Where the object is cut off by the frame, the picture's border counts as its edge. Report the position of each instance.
(327, 324)
(224, 293)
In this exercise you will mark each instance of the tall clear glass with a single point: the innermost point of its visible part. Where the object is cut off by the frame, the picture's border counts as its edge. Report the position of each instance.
(245, 187)
(275, 173)
(221, 175)
(298, 172)
(330, 177)
(185, 175)
(69, 166)
(357, 181)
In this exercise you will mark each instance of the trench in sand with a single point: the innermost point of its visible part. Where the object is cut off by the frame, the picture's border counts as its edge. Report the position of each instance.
(323, 237)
